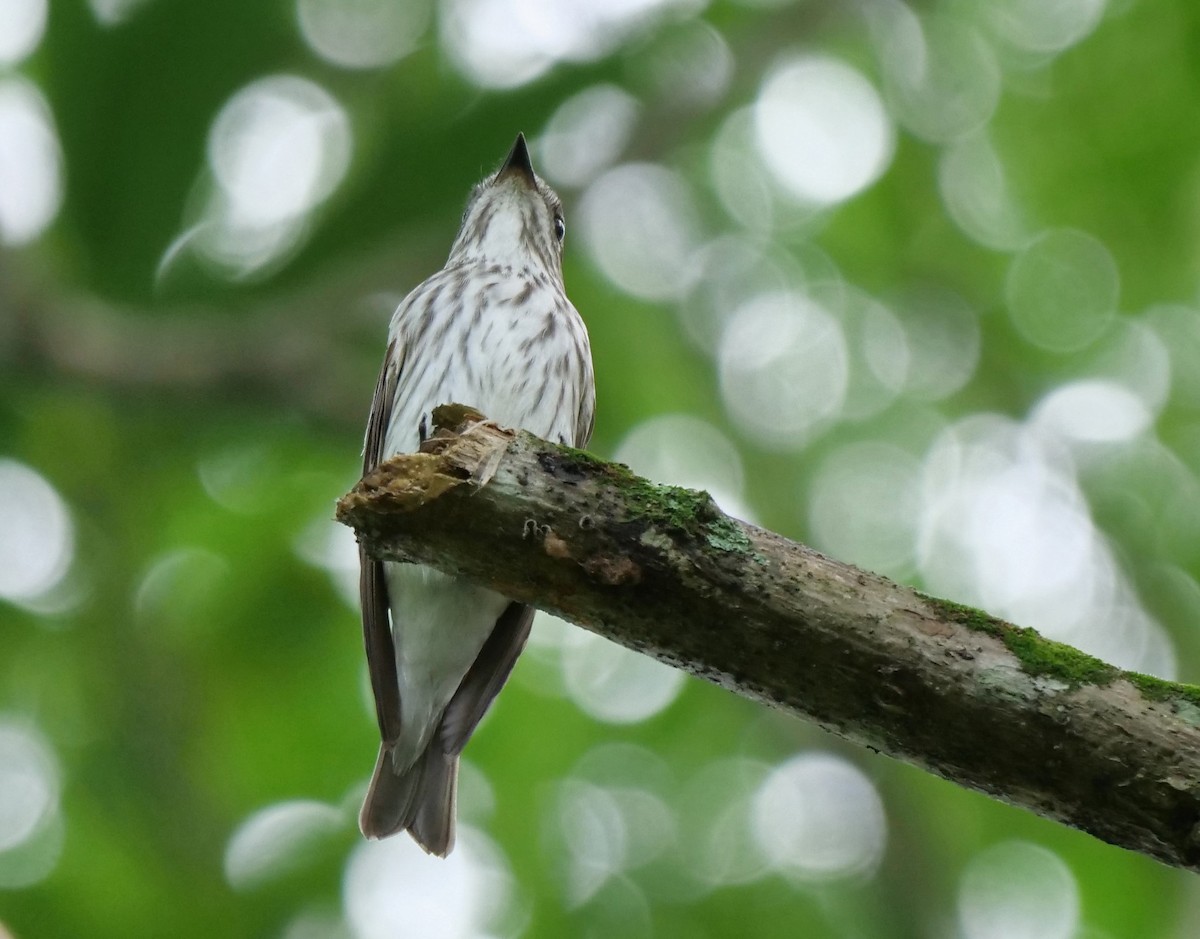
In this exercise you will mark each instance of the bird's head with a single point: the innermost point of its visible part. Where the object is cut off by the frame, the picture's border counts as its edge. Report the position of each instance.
(513, 218)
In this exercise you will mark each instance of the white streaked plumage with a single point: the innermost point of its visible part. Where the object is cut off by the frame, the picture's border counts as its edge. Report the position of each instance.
(494, 330)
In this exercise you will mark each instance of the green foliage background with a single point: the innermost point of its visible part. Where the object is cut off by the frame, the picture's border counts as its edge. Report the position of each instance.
(238, 681)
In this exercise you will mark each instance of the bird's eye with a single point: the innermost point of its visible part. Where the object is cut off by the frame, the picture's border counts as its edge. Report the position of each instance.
(560, 228)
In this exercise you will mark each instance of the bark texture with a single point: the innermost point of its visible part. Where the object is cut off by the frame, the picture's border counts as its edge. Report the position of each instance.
(659, 569)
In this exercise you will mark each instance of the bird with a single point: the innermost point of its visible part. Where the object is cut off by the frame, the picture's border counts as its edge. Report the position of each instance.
(494, 330)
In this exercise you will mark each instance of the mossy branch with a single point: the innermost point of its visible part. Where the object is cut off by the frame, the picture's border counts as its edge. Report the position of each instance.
(969, 697)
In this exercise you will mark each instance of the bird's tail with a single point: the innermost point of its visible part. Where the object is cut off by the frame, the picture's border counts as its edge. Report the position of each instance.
(420, 800)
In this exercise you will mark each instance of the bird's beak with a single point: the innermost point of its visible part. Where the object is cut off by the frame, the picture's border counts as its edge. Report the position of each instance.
(517, 163)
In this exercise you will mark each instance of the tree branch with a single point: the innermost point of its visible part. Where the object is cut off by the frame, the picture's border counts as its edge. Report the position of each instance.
(961, 694)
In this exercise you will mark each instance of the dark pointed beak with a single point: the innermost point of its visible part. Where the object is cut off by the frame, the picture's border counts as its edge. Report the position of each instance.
(518, 162)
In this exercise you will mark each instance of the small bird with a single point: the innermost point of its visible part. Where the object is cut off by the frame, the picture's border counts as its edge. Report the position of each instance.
(493, 330)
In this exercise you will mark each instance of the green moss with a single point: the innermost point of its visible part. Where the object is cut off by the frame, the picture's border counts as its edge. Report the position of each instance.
(671, 508)
(690, 510)
(1041, 656)
(1037, 655)
(1158, 689)
(965, 615)
(725, 534)
(587, 461)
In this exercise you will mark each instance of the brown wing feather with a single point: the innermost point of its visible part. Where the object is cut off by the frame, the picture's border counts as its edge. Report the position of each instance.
(499, 654)
(584, 427)
(486, 677)
(585, 420)
(377, 631)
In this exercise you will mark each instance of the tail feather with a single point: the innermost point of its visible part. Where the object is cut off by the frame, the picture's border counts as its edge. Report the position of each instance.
(433, 825)
(420, 800)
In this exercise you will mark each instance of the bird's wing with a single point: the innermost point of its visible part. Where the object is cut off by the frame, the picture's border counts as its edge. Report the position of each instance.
(499, 654)
(485, 677)
(586, 421)
(373, 594)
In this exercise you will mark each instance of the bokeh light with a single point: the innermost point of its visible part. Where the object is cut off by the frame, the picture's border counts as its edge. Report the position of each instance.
(1004, 526)
(22, 23)
(941, 79)
(37, 540)
(30, 163)
(476, 794)
(278, 840)
(363, 33)
(818, 817)
(614, 684)
(605, 680)
(332, 547)
(863, 506)
(943, 342)
(1046, 26)
(595, 836)
(114, 12)
(238, 477)
(1093, 412)
(784, 369)
(1178, 328)
(1018, 890)
(586, 134)
(974, 189)
(29, 782)
(32, 828)
(638, 224)
(392, 889)
(878, 350)
(734, 269)
(1133, 354)
(691, 66)
(1062, 290)
(36, 859)
(619, 765)
(822, 129)
(620, 788)
(277, 149)
(742, 182)
(608, 830)
(506, 43)
(173, 598)
(489, 43)
(729, 270)
(720, 846)
(316, 924)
